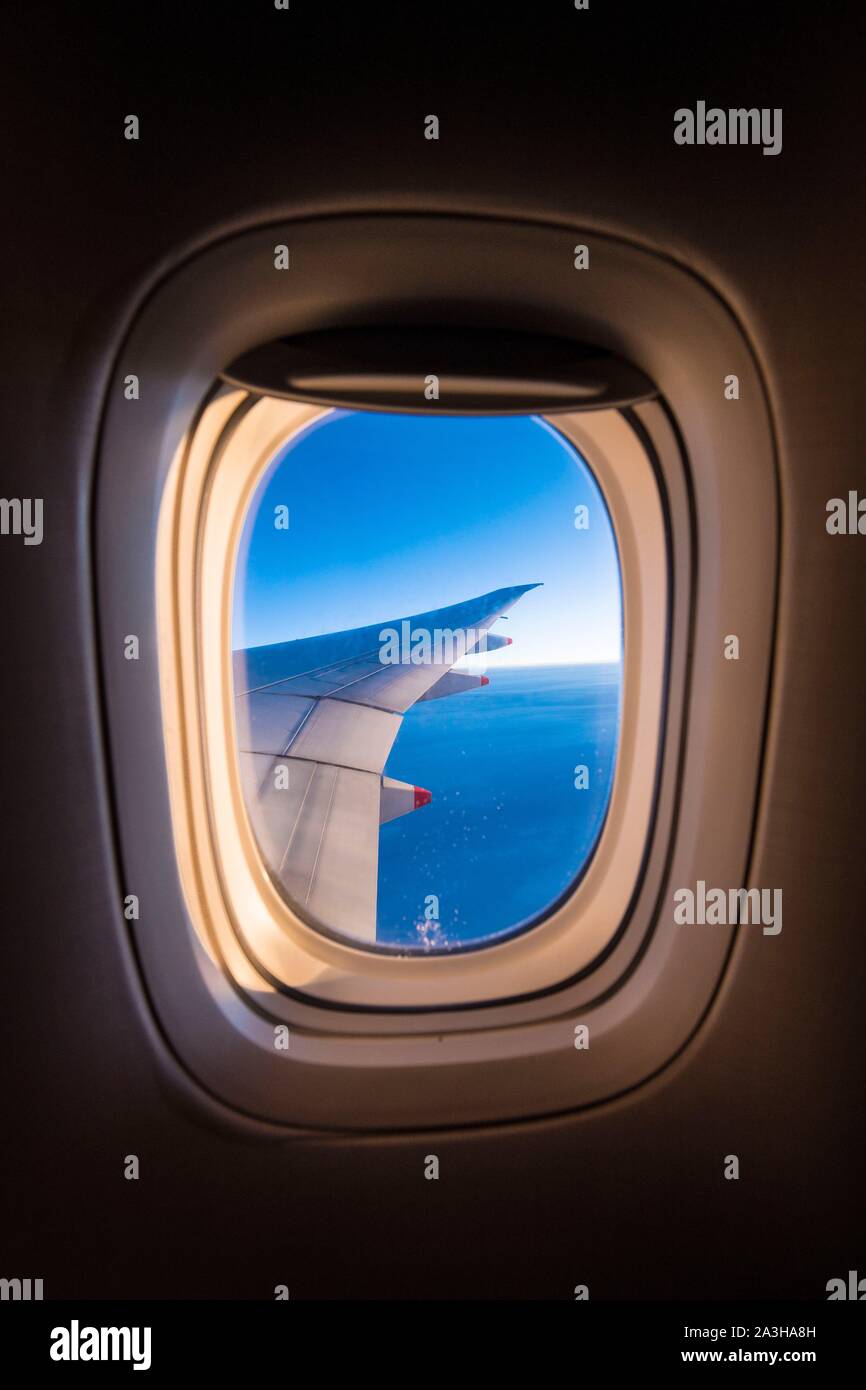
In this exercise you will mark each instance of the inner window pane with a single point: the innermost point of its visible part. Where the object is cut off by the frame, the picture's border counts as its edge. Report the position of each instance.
(427, 635)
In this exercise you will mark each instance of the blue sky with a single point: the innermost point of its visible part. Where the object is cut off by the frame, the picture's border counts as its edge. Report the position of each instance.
(391, 515)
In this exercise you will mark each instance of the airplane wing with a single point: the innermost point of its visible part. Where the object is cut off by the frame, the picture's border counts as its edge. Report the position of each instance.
(316, 719)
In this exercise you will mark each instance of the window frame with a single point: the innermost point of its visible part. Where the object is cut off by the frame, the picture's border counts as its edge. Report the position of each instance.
(215, 477)
(349, 1067)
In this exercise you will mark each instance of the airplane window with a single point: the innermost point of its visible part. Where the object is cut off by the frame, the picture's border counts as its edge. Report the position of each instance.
(427, 665)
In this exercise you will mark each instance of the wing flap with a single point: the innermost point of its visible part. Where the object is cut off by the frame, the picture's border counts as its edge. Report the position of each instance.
(267, 723)
(348, 734)
(317, 827)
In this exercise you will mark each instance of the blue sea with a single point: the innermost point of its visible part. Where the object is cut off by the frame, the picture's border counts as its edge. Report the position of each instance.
(507, 831)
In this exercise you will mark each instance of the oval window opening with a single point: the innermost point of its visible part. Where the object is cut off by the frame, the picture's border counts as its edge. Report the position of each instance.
(427, 632)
